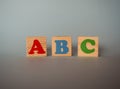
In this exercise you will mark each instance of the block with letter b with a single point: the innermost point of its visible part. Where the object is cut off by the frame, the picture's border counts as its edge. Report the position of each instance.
(36, 46)
(88, 46)
(61, 46)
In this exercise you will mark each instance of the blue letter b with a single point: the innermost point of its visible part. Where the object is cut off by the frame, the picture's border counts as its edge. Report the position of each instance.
(61, 47)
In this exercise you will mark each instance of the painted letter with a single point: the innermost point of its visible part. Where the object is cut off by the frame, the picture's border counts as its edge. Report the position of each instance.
(84, 48)
(36, 47)
(61, 47)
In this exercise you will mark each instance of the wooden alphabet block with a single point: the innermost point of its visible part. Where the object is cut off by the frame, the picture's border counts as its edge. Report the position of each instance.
(61, 46)
(36, 46)
(88, 46)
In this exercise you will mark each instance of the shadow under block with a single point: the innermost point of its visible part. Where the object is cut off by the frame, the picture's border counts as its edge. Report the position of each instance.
(56, 46)
(36, 46)
(88, 46)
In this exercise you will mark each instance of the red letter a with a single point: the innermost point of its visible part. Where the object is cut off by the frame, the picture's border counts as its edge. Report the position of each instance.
(36, 47)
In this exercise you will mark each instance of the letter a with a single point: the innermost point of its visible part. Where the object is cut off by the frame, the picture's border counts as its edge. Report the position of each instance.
(36, 47)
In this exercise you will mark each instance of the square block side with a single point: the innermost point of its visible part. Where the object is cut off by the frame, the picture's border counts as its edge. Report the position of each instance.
(29, 43)
(89, 46)
(68, 39)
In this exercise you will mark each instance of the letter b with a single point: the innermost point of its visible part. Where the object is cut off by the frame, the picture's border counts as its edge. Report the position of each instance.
(61, 47)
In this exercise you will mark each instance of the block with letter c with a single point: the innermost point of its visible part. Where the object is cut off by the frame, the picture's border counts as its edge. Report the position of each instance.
(88, 46)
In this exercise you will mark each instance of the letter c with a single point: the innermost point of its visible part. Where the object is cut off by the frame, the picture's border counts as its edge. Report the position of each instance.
(85, 49)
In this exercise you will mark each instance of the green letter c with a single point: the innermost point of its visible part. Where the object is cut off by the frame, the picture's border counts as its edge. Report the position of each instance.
(84, 48)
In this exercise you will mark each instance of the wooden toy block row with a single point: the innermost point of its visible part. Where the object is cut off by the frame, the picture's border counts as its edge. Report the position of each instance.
(61, 46)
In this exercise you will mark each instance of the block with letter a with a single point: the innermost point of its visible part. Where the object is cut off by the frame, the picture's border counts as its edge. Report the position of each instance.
(36, 46)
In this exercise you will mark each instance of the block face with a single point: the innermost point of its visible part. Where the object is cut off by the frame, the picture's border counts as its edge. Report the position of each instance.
(88, 46)
(36, 46)
(61, 46)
